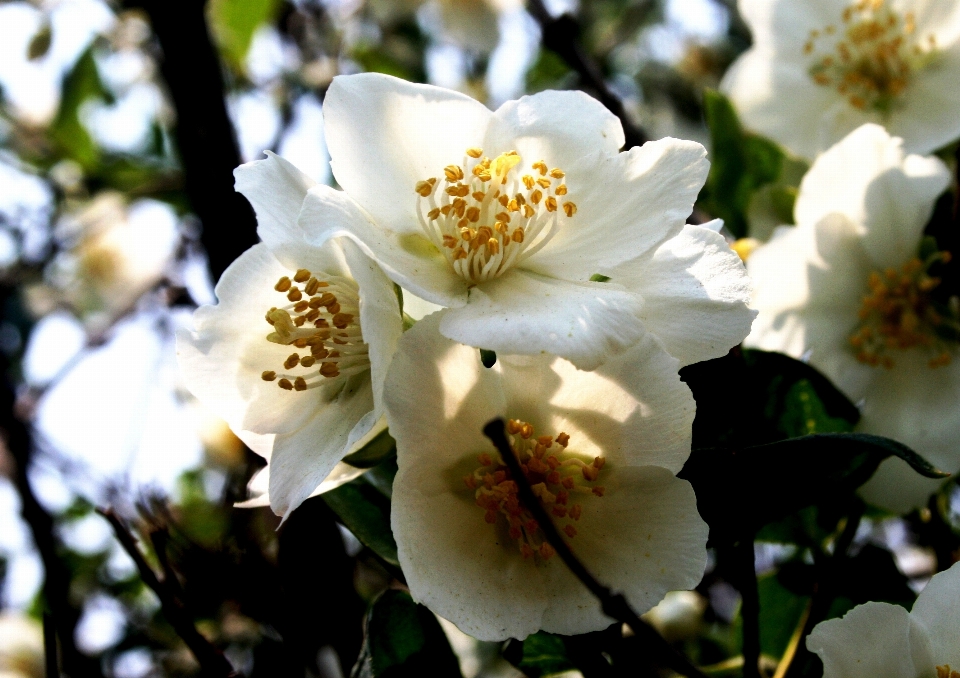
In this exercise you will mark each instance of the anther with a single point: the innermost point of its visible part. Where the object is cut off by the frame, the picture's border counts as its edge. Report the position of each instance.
(557, 173)
(540, 166)
(569, 208)
(550, 203)
(560, 190)
(268, 375)
(544, 183)
(312, 286)
(424, 188)
(285, 384)
(300, 384)
(294, 294)
(453, 172)
(503, 216)
(329, 370)
(301, 275)
(292, 361)
(283, 284)
(474, 152)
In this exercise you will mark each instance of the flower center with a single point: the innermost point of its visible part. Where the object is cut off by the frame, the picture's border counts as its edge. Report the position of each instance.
(486, 218)
(556, 478)
(946, 672)
(900, 313)
(323, 316)
(873, 57)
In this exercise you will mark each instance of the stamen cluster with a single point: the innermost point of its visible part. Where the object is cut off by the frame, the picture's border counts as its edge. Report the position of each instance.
(947, 672)
(322, 316)
(899, 313)
(554, 476)
(874, 58)
(485, 218)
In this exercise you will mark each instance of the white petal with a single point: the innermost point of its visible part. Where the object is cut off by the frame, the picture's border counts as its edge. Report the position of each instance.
(875, 639)
(695, 294)
(276, 189)
(557, 127)
(934, 16)
(626, 204)
(222, 360)
(386, 134)
(937, 610)
(915, 404)
(302, 459)
(927, 120)
(887, 194)
(380, 319)
(633, 409)
(410, 260)
(643, 538)
(258, 487)
(524, 313)
(786, 25)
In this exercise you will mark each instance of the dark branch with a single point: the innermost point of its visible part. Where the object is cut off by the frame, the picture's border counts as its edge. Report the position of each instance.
(746, 571)
(561, 35)
(57, 577)
(204, 134)
(614, 605)
(211, 660)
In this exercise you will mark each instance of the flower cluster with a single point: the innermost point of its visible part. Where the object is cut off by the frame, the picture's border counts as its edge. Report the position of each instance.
(536, 238)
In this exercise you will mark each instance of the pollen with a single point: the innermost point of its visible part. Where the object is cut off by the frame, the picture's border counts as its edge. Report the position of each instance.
(323, 302)
(554, 476)
(871, 59)
(900, 312)
(489, 215)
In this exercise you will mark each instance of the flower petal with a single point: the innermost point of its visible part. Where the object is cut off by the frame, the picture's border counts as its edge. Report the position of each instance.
(626, 204)
(937, 610)
(927, 121)
(410, 260)
(276, 189)
(302, 459)
(385, 134)
(558, 127)
(875, 639)
(524, 313)
(695, 294)
(916, 405)
(644, 537)
(633, 410)
(887, 194)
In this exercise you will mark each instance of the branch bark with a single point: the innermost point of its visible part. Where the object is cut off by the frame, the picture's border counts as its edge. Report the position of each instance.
(204, 134)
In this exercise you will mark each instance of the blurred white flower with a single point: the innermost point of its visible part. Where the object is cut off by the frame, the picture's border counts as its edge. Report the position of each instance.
(294, 356)
(880, 640)
(848, 287)
(600, 450)
(678, 616)
(819, 70)
(114, 252)
(511, 242)
(21, 646)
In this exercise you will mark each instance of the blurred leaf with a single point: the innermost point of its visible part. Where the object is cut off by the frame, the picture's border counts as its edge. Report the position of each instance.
(549, 71)
(373, 453)
(754, 397)
(538, 655)
(40, 43)
(234, 23)
(366, 512)
(741, 489)
(780, 612)
(741, 163)
(81, 84)
(376, 59)
(401, 639)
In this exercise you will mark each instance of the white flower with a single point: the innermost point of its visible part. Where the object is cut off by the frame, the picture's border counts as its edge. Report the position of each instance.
(601, 450)
(818, 70)
(503, 217)
(846, 287)
(294, 356)
(880, 640)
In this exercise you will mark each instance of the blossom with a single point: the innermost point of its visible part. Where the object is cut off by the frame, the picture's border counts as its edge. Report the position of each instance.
(506, 219)
(600, 448)
(880, 640)
(294, 355)
(849, 288)
(819, 70)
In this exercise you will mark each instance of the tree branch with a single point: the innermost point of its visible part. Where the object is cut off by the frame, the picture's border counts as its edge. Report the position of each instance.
(561, 35)
(204, 133)
(614, 605)
(745, 563)
(211, 660)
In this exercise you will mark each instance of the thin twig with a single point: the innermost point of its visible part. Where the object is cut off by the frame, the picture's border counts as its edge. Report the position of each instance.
(560, 34)
(211, 660)
(746, 569)
(50, 661)
(614, 605)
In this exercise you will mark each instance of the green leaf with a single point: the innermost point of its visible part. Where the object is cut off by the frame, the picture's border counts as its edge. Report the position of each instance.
(40, 42)
(741, 163)
(739, 490)
(599, 277)
(382, 447)
(804, 413)
(538, 655)
(780, 612)
(402, 638)
(234, 23)
(73, 139)
(365, 511)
